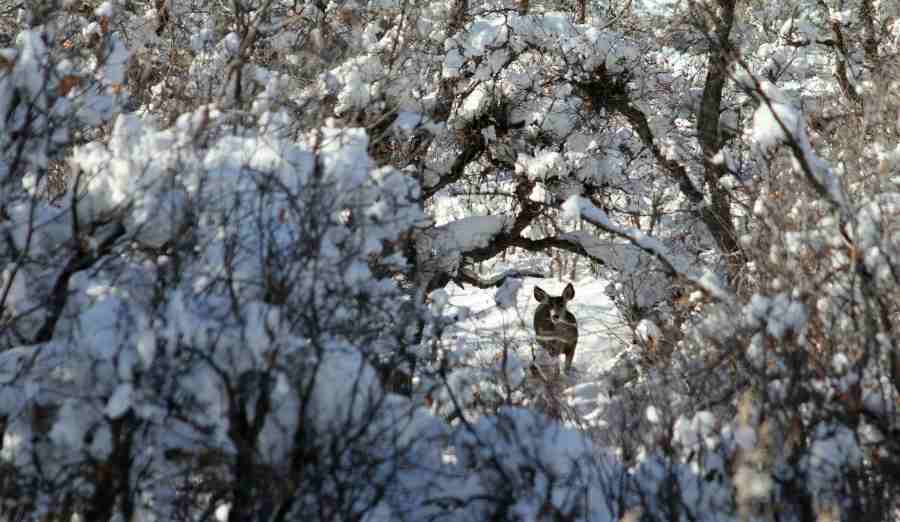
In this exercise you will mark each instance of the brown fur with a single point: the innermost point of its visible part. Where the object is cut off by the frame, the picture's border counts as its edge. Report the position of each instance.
(555, 326)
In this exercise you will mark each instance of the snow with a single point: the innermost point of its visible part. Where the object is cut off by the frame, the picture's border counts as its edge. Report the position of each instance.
(357, 81)
(507, 294)
(781, 315)
(146, 345)
(31, 62)
(474, 104)
(73, 423)
(844, 16)
(647, 331)
(131, 170)
(453, 62)
(544, 164)
(408, 121)
(120, 402)
(222, 512)
(540, 194)
(699, 432)
(833, 452)
(484, 33)
(542, 461)
(652, 414)
(874, 232)
(232, 43)
(14, 284)
(92, 29)
(112, 71)
(105, 9)
(775, 120)
(468, 233)
(344, 388)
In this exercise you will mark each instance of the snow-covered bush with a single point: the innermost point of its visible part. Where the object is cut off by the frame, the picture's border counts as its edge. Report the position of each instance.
(520, 465)
(231, 325)
(200, 305)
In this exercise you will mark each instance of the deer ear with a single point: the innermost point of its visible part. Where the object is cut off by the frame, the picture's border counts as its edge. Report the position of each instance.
(539, 294)
(569, 292)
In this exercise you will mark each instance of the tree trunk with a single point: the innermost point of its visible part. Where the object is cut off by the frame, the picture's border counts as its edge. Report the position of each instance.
(717, 215)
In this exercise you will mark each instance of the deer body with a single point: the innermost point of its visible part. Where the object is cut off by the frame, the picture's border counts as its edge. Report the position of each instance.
(555, 327)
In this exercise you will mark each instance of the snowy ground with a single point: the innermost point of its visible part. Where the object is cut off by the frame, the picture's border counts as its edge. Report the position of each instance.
(602, 334)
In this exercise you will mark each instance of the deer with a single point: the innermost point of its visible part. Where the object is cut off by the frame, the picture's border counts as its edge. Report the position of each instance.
(554, 325)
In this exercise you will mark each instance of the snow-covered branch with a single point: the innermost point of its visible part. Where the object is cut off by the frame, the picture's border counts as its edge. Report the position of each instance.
(777, 121)
(579, 207)
(469, 276)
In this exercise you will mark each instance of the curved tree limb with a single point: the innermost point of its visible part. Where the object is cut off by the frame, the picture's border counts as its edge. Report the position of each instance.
(705, 281)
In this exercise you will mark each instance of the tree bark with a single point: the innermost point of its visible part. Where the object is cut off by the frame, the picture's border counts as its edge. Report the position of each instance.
(717, 215)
